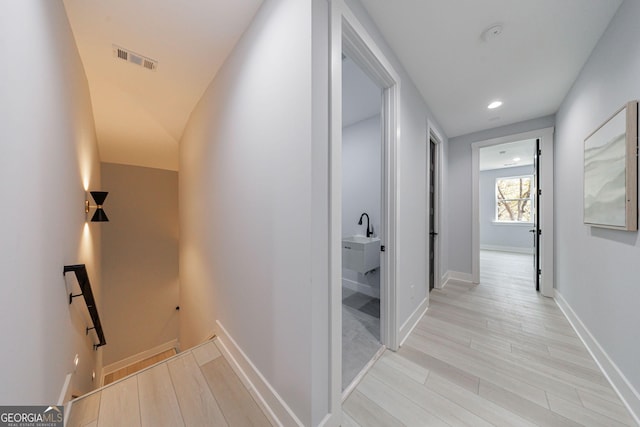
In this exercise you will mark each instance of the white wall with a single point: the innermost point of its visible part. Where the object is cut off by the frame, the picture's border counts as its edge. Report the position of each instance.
(361, 181)
(459, 210)
(412, 278)
(47, 155)
(246, 204)
(495, 235)
(139, 259)
(253, 202)
(361, 164)
(597, 270)
(361, 97)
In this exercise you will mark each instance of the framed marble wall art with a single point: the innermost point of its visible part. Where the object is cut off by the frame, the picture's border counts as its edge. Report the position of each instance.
(611, 172)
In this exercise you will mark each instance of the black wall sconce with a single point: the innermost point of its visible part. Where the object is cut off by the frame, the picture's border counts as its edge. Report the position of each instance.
(98, 197)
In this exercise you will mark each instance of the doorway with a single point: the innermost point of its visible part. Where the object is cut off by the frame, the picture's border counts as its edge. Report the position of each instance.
(362, 212)
(349, 37)
(519, 205)
(507, 213)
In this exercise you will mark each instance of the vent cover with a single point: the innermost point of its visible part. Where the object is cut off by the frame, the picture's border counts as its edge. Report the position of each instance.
(134, 58)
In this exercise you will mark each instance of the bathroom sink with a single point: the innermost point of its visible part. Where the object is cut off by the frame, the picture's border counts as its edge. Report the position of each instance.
(360, 240)
(360, 253)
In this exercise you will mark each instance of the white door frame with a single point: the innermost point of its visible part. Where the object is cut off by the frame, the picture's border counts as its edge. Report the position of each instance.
(433, 134)
(347, 33)
(545, 172)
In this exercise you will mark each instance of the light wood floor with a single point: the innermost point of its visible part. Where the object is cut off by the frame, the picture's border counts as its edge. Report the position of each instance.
(138, 366)
(493, 354)
(195, 388)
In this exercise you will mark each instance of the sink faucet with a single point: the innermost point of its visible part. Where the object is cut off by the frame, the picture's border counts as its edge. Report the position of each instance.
(369, 229)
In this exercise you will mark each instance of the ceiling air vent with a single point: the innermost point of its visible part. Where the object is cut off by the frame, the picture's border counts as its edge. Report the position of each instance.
(134, 58)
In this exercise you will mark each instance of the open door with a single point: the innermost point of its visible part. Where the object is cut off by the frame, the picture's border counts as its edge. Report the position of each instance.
(536, 216)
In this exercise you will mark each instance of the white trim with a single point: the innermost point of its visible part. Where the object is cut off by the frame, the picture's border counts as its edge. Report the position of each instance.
(507, 249)
(512, 223)
(67, 411)
(327, 421)
(363, 288)
(456, 276)
(347, 391)
(347, 33)
(546, 204)
(444, 279)
(335, 206)
(267, 397)
(65, 389)
(138, 358)
(496, 200)
(411, 323)
(627, 393)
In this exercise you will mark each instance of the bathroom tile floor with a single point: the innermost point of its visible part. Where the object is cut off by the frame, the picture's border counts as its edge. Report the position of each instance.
(360, 332)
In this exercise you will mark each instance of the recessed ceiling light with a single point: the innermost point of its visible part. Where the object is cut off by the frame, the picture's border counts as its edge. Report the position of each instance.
(494, 104)
(492, 32)
(516, 159)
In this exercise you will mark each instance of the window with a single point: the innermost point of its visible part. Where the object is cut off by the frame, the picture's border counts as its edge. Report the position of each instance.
(513, 199)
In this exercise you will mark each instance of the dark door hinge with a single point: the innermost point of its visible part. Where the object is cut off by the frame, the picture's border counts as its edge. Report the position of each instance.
(383, 248)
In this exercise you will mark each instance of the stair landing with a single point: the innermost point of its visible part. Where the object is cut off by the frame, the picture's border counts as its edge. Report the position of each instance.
(195, 387)
(138, 366)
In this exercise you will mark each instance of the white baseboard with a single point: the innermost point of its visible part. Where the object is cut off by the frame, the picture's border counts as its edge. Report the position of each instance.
(628, 394)
(138, 357)
(65, 390)
(354, 384)
(330, 420)
(507, 249)
(266, 396)
(456, 276)
(409, 325)
(361, 287)
(443, 280)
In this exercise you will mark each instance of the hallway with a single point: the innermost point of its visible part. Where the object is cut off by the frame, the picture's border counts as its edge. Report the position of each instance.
(239, 102)
(492, 354)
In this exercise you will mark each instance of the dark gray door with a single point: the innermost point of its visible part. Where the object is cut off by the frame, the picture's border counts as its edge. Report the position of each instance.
(432, 215)
(536, 216)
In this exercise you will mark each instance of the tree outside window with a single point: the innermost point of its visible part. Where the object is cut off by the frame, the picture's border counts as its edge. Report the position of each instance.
(513, 199)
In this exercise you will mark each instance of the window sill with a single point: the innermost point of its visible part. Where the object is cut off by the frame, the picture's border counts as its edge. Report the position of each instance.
(513, 224)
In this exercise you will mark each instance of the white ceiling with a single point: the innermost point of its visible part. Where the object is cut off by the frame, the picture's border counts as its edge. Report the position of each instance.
(140, 114)
(361, 97)
(530, 66)
(503, 155)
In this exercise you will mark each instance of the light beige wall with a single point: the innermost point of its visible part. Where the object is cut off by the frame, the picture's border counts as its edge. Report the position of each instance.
(139, 259)
(48, 157)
